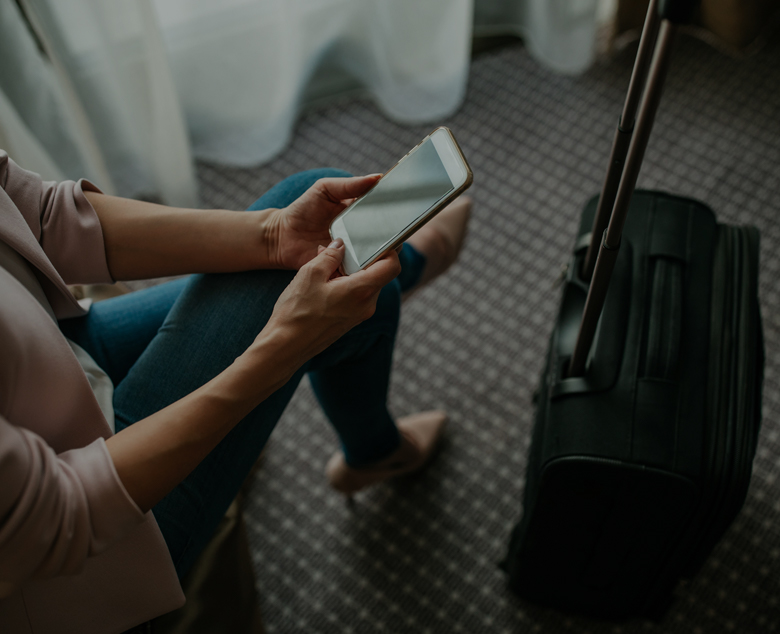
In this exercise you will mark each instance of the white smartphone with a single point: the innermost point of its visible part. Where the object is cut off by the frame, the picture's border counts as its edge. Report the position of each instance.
(415, 189)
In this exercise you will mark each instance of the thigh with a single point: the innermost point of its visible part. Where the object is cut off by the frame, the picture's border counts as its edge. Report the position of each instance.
(215, 318)
(116, 331)
(213, 321)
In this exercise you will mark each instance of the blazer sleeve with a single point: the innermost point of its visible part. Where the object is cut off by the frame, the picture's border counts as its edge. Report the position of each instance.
(62, 220)
(56, 510)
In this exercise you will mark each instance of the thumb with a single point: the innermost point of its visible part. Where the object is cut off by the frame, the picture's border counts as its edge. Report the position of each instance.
(340, 189)
(329, 259)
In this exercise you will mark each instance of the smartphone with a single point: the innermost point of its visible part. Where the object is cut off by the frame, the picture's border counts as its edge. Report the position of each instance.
(413, 191)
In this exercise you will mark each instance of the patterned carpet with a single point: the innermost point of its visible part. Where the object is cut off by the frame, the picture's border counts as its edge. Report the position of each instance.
(421, 554)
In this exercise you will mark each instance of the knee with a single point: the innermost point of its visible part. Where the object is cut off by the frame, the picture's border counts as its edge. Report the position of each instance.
(292, 187)
(304, 180)
(324, 172)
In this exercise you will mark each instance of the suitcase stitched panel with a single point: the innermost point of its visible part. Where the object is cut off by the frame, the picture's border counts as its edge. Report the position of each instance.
(664, 443)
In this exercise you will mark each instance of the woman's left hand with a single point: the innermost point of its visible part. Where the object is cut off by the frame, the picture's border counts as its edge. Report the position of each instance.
(296, 231)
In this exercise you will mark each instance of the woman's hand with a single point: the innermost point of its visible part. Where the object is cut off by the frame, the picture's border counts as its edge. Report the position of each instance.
(295, 232)
(153, 455)
(319, 305)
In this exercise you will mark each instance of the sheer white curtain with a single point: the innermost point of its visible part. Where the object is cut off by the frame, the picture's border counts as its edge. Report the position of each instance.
(36, 124)
(561, 34)
(127, 92)
(243, 67)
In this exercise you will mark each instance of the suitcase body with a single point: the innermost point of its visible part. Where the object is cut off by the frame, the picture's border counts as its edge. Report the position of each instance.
(638, 466)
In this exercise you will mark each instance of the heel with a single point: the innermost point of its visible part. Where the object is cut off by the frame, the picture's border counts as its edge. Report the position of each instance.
(420, 435)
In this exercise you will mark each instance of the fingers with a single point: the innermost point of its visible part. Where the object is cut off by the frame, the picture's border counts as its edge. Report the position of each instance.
(341, 189)
(367, 282)
(381, 272)
(328, 259)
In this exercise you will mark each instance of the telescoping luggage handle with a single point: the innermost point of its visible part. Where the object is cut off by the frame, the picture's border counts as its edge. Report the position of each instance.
(625, 161)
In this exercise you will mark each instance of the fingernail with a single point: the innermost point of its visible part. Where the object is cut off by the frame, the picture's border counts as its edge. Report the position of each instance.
(336, 244)
(372, 175)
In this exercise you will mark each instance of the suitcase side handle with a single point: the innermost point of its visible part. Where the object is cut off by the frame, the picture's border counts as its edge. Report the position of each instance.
(616, 198)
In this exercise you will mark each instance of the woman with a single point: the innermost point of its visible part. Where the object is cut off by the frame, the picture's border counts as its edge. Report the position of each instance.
(126, 432)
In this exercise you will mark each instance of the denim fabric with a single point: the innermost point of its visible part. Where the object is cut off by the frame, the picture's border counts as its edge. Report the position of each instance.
(162, 343)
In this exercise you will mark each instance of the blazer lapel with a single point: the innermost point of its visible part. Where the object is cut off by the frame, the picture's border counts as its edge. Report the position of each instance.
(15, 232)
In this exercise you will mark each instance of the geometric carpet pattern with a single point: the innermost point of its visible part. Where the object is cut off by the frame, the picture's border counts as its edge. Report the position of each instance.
(421, 554)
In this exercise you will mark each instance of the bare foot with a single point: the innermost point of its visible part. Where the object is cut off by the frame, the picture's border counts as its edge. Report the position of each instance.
(440, 240)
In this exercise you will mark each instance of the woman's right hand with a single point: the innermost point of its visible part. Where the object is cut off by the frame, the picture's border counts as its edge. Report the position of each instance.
(319, 305)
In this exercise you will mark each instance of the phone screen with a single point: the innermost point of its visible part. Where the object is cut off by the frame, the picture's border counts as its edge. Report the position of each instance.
(409, 190)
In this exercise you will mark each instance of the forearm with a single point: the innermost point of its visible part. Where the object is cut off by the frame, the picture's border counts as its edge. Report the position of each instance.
(154, 454)
(145, 240)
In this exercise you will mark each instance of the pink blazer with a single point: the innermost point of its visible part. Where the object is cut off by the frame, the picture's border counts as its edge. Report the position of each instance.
(76, 553)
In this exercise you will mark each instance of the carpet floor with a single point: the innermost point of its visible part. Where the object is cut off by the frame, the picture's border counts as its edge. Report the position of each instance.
(421, 554)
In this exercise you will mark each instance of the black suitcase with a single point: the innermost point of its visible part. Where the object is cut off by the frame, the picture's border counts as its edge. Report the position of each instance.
(649, 406)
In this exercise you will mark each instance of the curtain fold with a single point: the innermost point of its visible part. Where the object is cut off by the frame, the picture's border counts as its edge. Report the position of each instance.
(561, 34)
(113, 55)
(17, 139)
(129, 92)
(41, 113)
(242, 72)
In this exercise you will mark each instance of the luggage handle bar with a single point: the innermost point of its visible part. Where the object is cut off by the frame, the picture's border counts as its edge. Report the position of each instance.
(625, 162)
(623, 134)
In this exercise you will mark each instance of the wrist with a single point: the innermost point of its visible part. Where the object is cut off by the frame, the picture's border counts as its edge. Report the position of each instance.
(268, 231)
(281, 345)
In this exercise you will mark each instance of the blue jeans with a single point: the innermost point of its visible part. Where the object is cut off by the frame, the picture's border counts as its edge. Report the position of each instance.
(160, 344)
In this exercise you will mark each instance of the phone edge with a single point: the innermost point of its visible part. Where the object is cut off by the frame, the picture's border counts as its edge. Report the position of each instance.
(423, 220)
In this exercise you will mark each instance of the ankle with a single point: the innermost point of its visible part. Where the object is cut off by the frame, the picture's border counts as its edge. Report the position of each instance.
(419, 436)
(413, 265)
(362, 459)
